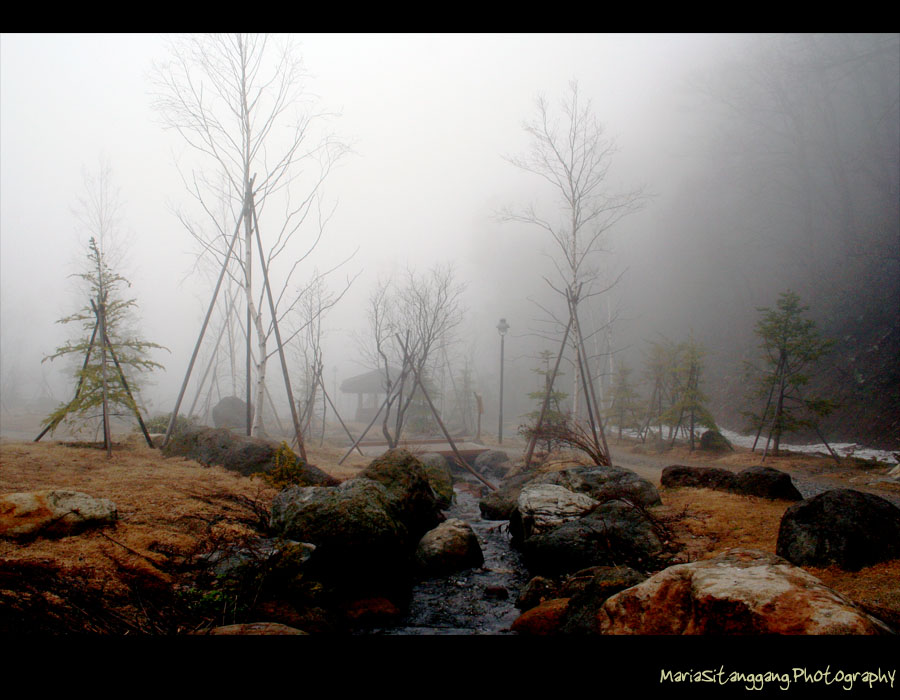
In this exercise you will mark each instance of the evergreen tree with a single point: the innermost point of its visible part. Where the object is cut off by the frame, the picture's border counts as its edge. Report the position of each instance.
(624, 406)
(688, 401)
(791, 346)
(113, 356)
(659, 371)
(555, 417)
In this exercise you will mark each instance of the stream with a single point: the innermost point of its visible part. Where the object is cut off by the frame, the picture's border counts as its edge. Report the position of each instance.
(473, 601)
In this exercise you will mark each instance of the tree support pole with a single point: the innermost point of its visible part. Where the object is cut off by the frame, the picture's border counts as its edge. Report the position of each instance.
(387, 399)
(284, 369)
(341, 420)
(134, 405)
(209, 311)
(87, 357)
(531, 442)
(592, 396)
(462, 462)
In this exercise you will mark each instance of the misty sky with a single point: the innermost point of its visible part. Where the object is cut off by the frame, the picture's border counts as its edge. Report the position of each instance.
(429, 118)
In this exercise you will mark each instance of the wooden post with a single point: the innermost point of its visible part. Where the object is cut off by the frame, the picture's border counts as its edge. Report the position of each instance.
(124, 381)
(284, 369)
(209, 311)
(540, 422)
(459, 458)
(101, 317)
(592, 394)
(87, 356)
(341, 420)
(387, 398)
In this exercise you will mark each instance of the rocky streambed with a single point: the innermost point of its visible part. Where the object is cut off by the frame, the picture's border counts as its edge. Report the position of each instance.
(473, 601)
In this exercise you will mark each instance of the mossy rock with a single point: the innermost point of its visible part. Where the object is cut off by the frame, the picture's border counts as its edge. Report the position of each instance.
(714, 441)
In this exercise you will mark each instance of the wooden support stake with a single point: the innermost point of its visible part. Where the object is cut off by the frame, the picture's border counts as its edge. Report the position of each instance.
(284, 368)
(592, 396)
(209, 311)
(540, 422)
(387, 399)
(462, 462)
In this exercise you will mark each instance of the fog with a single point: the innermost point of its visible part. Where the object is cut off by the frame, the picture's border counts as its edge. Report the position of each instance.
(766, 163)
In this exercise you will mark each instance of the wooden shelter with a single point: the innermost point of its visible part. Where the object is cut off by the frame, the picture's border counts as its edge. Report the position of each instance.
(370, 392)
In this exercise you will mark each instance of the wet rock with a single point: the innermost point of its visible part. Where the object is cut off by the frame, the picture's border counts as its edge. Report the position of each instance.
(437, 471)
(605, 483)
(493, 463)
(231, 413)
(239, 453)
(372, 611)
(53, 513)
(258, 552)
(740, 592)
(844, 527)
(542, 620)
(536, 591)
(451, 546)
(499, 504)
(766, 482)
(613, 533)
(408, 488)
(309, 618)
(254, 628)
(584, 604)
(541, 507)
(678, 475)
(359, 536)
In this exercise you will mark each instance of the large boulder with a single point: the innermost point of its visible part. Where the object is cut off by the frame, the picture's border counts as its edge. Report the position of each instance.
(409, 489)
(678, 475)
(53, 513)
(605, 582)
(760, 481)
(613, 533)
(437, 471)
(766, 482)
(231, 413)
(739, 592)
(240, 453)
(451, 546)
(605, 483)
(540, 507)
(714, 441)
(543, 619)
(500, 504)
(844, 527)
(360, 538)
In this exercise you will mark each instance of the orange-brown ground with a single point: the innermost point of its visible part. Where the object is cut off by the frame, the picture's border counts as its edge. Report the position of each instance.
(169, 508)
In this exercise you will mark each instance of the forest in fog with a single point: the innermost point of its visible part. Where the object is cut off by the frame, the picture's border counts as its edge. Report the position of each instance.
(407, 193)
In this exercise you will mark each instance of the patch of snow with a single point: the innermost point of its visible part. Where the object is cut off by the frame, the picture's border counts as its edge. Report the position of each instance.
(844, 449)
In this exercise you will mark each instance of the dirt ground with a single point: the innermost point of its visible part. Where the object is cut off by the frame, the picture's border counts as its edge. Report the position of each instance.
(126, 579)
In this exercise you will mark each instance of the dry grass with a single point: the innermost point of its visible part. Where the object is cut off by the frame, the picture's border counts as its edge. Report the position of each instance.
(171, 506)
(164, 505)
(707, 522)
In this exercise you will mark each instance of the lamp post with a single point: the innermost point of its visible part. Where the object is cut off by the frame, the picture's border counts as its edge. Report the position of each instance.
(502, 327)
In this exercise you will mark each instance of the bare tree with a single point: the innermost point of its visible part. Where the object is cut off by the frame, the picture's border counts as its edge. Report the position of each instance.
(423, 309)
(573, 154)
(238, 100)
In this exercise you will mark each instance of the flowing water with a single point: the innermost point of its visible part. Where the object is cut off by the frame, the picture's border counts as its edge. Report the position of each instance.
(474, 601)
